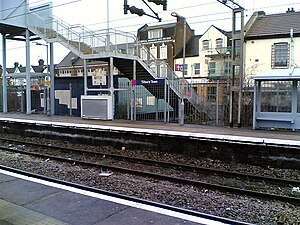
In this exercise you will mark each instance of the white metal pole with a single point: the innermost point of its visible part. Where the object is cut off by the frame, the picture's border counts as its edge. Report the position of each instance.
(52, 91)
(107, 32)
(28, 80)
(181, 120)
(4, 80)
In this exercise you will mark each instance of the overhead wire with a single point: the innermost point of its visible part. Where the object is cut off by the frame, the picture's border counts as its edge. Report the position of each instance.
(190, 17)
(174, 9)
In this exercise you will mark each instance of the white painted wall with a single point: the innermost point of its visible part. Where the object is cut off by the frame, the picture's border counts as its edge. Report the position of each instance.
(212, 34)
(258, 54)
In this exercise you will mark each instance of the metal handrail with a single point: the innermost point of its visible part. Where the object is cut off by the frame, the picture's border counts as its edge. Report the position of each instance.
(113, 41)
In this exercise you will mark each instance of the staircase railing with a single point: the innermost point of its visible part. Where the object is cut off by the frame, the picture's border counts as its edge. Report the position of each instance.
(127, 43)
(110, 42)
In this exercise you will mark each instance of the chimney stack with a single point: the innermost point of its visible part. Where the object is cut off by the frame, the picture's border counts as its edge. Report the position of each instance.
(41, 62)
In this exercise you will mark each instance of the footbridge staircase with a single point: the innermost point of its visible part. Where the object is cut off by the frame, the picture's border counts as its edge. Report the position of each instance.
(129, 55)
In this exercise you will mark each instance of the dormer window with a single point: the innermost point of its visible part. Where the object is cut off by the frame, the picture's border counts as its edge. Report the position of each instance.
(155, 34)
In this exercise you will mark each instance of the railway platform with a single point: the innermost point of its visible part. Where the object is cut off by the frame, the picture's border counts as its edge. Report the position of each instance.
(30, 201)
(279, 137)
(24, 200)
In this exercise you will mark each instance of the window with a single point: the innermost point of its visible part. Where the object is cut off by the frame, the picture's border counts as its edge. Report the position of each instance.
(237, 53)
(143, 53)
(227, 69)
(155, 34)
(219, 43)
(196, 68)
(163, 51)
(211, 93)
(153, 51)
(185, 72)
(163, 70)
(205, 45)
(65, 73)
(212, 68)
(153, 68)
(280, 54)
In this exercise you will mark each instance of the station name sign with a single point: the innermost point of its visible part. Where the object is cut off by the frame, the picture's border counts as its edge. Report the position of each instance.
(148, 82)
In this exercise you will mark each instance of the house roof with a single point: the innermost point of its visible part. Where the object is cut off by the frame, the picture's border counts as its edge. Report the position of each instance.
(275, 25)
(192, 47)
(39, 69)
(226, 33)
(160, 26)
(72, 59)
(11, 70)
(22, 69)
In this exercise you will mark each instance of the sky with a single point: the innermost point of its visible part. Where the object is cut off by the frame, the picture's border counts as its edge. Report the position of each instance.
(199, 14)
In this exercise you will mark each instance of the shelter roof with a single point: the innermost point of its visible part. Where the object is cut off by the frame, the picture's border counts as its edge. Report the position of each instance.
(279, 74)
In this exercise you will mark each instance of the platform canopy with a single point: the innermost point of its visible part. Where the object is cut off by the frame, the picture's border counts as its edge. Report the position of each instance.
(279, 74)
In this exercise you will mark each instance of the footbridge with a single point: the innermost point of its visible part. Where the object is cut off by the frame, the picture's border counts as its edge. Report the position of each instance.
(119, 49)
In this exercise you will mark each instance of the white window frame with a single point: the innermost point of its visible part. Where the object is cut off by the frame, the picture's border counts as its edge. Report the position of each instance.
(197, 68)
(158, 33)
(144, 53)
(163, 70)
(212, 68)
(163, 51)
(153, 67)
(219, 43)
(205, 44)
(153, 51)
(280, 55)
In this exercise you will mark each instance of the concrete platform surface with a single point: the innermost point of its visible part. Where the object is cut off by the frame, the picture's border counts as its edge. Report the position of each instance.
(28, 201)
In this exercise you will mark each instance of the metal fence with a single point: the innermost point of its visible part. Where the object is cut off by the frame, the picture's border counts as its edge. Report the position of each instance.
(156, 103)
(145, 102)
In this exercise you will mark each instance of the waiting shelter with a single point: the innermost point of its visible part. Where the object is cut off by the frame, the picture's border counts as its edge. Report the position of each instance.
(277, 99)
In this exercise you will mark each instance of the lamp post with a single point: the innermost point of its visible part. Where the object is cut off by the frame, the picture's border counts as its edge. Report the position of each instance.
(181, 111)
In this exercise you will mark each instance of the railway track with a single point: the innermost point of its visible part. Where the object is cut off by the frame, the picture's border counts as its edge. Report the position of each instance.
(88, 158)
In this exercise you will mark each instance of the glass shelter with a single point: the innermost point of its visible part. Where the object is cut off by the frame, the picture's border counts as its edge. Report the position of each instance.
(277, 99)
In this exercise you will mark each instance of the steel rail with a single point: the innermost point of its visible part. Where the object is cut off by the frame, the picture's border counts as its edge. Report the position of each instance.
(222, 188)
(185, 167)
